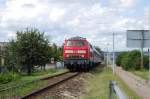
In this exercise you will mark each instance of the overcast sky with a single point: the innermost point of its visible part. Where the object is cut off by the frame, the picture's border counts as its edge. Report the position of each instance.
(59, 19)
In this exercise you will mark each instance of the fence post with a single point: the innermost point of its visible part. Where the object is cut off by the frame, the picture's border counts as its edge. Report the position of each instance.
(110, 89)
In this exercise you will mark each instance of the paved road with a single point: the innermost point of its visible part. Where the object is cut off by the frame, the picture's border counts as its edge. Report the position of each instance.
(137, 84)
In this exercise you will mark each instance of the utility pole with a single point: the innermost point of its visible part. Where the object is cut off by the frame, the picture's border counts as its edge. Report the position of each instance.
(149, 58)
(107, 54)
(142, 44)
(149, 72)
(113, 53)
(107, 57)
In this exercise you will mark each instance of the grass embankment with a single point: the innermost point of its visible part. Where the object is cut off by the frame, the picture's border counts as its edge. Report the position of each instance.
(27, 88)
(143, 73)
(97, 85)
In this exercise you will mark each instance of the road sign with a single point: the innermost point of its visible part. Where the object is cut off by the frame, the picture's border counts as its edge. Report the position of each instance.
(138, 38)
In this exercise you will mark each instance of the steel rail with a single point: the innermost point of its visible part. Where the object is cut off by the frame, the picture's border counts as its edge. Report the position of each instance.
(24, 84)
(49, 86)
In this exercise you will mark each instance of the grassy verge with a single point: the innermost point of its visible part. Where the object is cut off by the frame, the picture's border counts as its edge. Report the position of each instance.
(22, 90)
(33, 76)
(43, 73)
(97, 85)
(143, 73)
(19, 91)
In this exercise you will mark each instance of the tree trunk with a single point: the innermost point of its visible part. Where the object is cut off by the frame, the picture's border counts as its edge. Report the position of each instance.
(29, 69)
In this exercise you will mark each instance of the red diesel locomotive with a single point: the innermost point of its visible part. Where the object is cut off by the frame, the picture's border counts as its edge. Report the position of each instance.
(79, 54)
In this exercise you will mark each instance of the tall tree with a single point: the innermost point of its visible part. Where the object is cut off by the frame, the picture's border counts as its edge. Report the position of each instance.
(31, 48)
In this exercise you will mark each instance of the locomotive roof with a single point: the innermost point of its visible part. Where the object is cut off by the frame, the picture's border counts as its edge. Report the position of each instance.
(77, 38)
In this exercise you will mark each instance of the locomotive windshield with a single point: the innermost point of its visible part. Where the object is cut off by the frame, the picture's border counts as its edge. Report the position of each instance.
(75, 43)
(70, 43)
(79, 43)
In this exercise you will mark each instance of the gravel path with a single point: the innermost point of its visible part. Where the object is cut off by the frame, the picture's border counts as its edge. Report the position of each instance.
(137, 84)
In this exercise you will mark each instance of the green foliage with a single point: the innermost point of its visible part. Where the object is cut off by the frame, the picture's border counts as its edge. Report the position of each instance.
(119, 58)
(131, 60)
(56, 52)
(7, 77)
(125, 62)
(30, 48)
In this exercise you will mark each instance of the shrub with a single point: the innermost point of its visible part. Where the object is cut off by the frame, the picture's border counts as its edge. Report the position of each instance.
(119, 58)
(131, 60)
(8, 77)
(124, 62)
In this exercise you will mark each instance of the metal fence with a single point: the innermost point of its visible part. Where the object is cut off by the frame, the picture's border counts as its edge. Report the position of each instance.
(115, 89)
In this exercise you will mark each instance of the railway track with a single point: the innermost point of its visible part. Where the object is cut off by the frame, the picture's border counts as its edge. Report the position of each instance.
(53, 81)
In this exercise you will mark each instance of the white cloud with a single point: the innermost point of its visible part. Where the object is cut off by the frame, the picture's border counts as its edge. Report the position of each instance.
(66, 18)
(122, 3)
(128, 3)
(56, 14)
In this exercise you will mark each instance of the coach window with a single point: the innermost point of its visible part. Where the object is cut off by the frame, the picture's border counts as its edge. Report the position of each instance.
(70, 43)
(79, 43)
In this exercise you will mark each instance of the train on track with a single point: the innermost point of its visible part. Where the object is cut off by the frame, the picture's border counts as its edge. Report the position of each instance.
(79, 54)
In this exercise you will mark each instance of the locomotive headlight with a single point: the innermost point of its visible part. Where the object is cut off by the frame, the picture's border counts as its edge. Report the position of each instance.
(68, 51)
(82, 55)
(67, 55)
(82, 51)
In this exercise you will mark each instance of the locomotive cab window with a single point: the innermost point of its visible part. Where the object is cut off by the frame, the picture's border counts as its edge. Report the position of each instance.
(80, 43)
(75, 43)
(70, 43)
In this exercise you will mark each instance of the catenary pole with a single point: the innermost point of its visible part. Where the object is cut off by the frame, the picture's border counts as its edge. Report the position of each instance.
(149, 72)
(142, 45)
(107, 55)
(113, 53)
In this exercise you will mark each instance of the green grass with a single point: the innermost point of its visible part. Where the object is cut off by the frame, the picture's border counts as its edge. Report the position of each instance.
(97, 85)
(143, 73)
(41, 74)
(33, 76)
(27, 88)
(22, 90)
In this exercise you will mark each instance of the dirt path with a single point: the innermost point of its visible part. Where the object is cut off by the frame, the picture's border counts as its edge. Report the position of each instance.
(137, 84)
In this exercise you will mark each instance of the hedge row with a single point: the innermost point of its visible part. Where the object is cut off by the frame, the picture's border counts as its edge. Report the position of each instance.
(131, 60)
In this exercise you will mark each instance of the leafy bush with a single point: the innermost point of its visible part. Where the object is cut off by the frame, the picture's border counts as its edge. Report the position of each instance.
(124, 62)
(131, 60)
(7, 77)
(119, 58)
